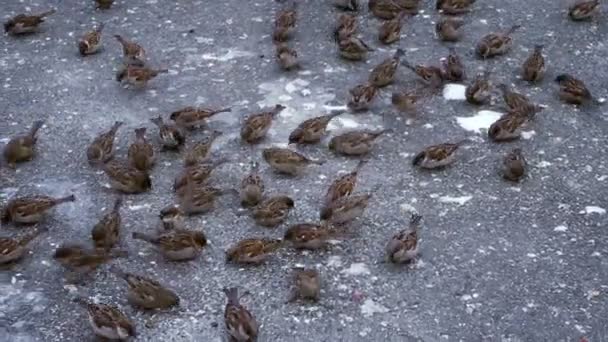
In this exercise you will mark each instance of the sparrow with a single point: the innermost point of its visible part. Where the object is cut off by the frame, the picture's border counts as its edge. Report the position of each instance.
(101, 150)
(514, 165)
(355, 143)
(312, 130)
(22, 147)
(518, 102)
(106, 232)
(138, 76)
(409, 6)
(22, 23)
(272, 211)
(406, 101)
(192, 117)
(533, 68)
(199, 199)
(496, 43)
(384, 9)
(126, 178)
(362, 96)
(437, 156)
(347, 5)
(171, 136)
(13, 249)
(255, 126)
(343, 186)
(176, 245)
(346, 209)
(171, 217)
(252, 187)
(286, 161)
(448, 29)
(90, 43)
(252, 251)
(31, 209)
(403, 246)
(200, 150)
(583, 9)
(307, 284)
(383, 74)
(132, 52)
(390, 30)
(508, 127)
(453, 69)
(195, 175)
(104, 4)
(454, 7)
(81, 260)
(287, 58)
(281, 34)
(240, 323)
(479, 91)
(146, 293)
(285, 20)
(141, 152)
(573, 90)
(310, 236)
(353, 48)
(346, 27)
(108, 322)
(431, 75)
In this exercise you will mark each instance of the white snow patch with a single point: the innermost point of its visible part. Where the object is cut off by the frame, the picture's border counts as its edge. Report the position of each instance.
(229, 55)
(357, 268)
(531, 255)
(592, 209)
(369, 307)
(139, 206)
(334, 261)
(408, 208)
(528, 135)
(560, 228)
(458, 200)
(345, 122)
(295, 85)
(482, 120)
(453, 91)
(543, 164)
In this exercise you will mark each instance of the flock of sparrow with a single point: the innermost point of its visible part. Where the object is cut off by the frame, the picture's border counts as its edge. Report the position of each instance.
(196, 196)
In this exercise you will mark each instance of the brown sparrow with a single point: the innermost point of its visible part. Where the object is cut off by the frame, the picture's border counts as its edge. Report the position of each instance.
(101, 150)
(23, 23)
(448, 29)
(171, 217)
(171, 136)
(343, 186)
(126, 178)
(252, 187)
(31, 209)
(195, 175)
(287, 58)
(496, 43)
(346, 209)
(508, 127)
(514, 165)
(176, 245)
(307, 285)
(403, 246)
(141, 152)
(199, 199)
(407, 101)
(437, 156)
(108, 322)
(310, 235)
(106, 232)
(312, 130)
(573, 90)
(533, 68)
(355, 143)
(346, 27)
(283, 160)
(347, 5)
(383, 74)
(90, 43)
(81, 260)
(255, 126)
(479, 91)
(518, 102)
(21, 147)
(384, 9)
(146, 293)
(132, 52)
(353, 48)
(252, 251)
(200, 150)
(104, 4)
(409, 6)
(453, 69)
(431, 75)
(272, 211)
(390, 30)
(240, 323)
(137, 75)
(583, 9)
(362, 96)
(13, 249)
(454, 7)
(191, 117)
(285, 23)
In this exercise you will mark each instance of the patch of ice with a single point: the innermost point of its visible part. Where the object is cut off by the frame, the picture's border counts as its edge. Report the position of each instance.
(369, 307)
(528, 135)
(592, 209)
(357, 268)
(482, 120)
(560, 228)
(453, 91)
(458, 200)
(296, 84)
(229, 55)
